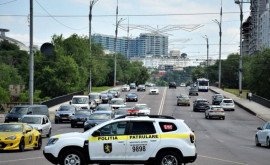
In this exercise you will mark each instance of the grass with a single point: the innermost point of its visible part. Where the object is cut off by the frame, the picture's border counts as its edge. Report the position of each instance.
(100, 89)
(236, 92)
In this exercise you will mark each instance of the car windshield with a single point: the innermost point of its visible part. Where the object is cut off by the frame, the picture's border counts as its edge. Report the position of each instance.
(203, 83)
(94, 96)
(227, 101)
(66, 108)
(11, 128)
(31, 120)
(121, 111)
(131, 94)
(117, 102)
(103, 95)
(100, 116)
(141, 85)
(183, 96)
(216, 108)
(79, 100)
(112, 91)
(154, 88)
(83, 113)
(202, 101)
(141, 107)
(19, 110)
(103, 107)
(110, 95)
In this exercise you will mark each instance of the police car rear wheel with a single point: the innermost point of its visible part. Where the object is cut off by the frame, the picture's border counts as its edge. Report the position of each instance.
(72, 157)
(168, 158)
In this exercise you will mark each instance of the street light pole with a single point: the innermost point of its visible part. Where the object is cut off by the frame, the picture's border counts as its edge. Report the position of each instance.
(31, 64)
(206, 38)
(115, 44)
(92, 2)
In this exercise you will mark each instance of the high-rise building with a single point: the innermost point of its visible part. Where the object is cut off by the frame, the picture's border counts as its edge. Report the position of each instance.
(147, 44)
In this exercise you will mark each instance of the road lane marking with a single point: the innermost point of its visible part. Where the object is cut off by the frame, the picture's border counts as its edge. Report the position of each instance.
(7, 161)
(222, 160)
(162, 102)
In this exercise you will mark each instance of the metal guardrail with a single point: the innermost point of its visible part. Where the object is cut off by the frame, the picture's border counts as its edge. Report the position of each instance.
(60, 99)
(261, 100)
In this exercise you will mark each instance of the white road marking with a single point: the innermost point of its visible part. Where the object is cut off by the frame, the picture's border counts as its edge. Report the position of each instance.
(162, 102)
(16, 160)
(222, 160)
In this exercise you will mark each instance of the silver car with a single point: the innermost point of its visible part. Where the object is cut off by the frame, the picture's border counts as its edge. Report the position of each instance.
(214, 111)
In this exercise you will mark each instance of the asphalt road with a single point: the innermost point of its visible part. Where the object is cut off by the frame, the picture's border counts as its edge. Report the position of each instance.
(219, 142)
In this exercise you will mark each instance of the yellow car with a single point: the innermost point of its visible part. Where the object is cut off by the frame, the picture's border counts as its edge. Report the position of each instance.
(19, 136)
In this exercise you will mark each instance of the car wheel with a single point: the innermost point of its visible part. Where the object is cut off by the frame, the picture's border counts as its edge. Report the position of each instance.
(21, 145)
(223, 118)
(257, 141)
(56, 121)
(268, 142)
(72, 157)
(49, 134)
(72, 125)
(168, 157)
(205, 116)
(39, 145)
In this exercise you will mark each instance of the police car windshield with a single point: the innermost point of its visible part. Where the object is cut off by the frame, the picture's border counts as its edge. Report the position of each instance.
(31, 120)
(79, 101)
(83, 113)
(100, 116)
(66, 108)
(19, 110)
(117, 102)
(11, 128)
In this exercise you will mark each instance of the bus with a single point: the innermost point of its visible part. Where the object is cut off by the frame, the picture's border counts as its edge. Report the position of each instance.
(203, 84)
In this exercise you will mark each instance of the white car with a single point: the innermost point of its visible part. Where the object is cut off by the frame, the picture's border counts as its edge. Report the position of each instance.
(214, 111)
(125, 88)
(117, 103)
(263, 135)
(150, 139)
(39, 122)
(183, 85)
(227, 104)
(142, 109)
(80, 101)
(95, 96)
(153, 91)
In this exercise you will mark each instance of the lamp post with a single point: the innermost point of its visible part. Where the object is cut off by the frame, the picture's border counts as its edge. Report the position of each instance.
(31, 60)
(206, 38)
(219, 65)
(240, 3)
(92, 2)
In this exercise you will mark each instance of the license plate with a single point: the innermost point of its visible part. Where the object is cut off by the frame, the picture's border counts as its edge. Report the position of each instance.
(64, 118)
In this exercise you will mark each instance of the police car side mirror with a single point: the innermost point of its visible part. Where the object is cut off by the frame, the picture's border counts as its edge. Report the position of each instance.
(96, 133)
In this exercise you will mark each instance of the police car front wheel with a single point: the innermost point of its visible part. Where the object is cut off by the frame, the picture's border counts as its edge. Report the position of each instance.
(72, 157)
(168, 158)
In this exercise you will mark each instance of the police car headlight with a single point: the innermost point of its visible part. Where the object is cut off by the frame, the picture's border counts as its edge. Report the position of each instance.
(52, 141)
(11, 138)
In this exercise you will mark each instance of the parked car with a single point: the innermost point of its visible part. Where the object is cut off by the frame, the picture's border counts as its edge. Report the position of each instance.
(104, 107)
(183, 85)
(200, 105)
(95, 96)
(214, 111)
(262, 136)
(125, 88)
(217, 98)
(183, 100)
(80, 117)
(142, 109)
(115, 92)
(98, 118)
(172, 85)
(80, 101)
(132, 86)
(117, 103)
(104, 98)
(227, 104)
(64, 113)
(39, 122)
(16, 113)
(153, 91)
(193, 92)
(131, 96)
(122, 111)
(141, 88)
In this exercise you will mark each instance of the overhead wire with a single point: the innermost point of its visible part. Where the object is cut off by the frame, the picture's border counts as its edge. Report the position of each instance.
(8, 2)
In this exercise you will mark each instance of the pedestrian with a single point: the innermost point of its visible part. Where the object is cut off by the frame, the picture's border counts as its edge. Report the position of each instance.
(250, 96)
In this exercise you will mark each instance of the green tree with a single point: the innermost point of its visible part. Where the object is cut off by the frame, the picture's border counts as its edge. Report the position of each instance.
(4, 95)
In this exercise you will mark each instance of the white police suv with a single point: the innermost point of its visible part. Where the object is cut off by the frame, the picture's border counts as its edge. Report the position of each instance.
(127, 139)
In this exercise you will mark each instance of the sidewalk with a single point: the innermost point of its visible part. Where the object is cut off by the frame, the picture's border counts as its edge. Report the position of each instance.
(254, 108)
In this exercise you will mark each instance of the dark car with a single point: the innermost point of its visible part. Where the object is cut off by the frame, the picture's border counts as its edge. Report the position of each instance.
(172, 85)
(114, 92)
(131, 97)
(110, 96)
(104, 107)
(132, 86)
(122, 111)
(80, 117)
(64, 113)
(97, 118)
(200, 105)
(217, 99)
(193, 92)
(104, 98)
(141, 88)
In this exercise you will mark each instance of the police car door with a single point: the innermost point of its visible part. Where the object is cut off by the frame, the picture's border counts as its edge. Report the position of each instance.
(111, 144)
(142, 140)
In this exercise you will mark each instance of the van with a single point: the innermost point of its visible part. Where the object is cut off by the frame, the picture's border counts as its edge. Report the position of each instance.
(17, 112)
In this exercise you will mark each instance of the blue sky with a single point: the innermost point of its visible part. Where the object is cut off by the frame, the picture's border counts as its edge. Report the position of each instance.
(45, 27)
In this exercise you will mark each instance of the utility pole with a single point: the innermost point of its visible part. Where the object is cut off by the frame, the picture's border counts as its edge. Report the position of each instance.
(206, 38)
(31, 62)
(219, 23)
(128, 40)
(115, 44)
(92, 2)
